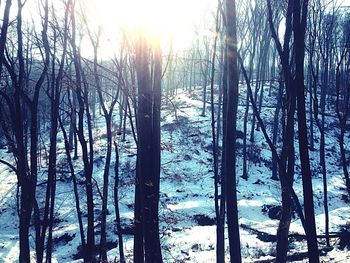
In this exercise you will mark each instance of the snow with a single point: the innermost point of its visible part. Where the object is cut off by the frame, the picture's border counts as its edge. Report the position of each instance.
(187, 190)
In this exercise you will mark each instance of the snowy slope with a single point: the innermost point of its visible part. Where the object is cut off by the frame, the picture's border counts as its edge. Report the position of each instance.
(187, 193)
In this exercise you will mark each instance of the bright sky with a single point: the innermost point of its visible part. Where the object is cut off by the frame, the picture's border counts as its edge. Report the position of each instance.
(168, 19)
(176, 21)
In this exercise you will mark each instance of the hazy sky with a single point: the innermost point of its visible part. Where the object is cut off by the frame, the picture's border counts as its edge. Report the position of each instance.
(170, 19)
(178, 20)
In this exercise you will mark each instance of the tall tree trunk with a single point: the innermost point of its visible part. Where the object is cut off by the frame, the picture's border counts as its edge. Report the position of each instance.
(116, 205)
(75, 185)
(276, 129)
(223, 178)
(246, 112)
(154, 239)
(230, 137)
(148, 150)
(55, 101)
(299, 25)
(220, 238)
(87, 147)
(4, 29)
(205, 70)
(311, 135)
(138, 218)
(107, 114)
(25, 180)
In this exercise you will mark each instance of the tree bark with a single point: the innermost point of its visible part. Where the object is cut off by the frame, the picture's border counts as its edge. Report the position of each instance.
(230, 136)
(148, 150)
(299, 25)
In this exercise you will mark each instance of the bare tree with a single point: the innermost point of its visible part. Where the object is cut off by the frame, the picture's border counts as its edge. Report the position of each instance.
(230, 132)
(87, 146)
(148, 154)
(296, 15)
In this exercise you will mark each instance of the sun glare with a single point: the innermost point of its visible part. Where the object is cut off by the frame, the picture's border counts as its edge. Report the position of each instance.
(173, 21)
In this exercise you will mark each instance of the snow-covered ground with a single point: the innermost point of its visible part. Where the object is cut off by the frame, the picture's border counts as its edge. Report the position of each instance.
(188, 232)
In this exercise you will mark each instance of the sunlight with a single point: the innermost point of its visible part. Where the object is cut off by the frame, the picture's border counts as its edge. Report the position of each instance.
(152, 16)
(174, 22)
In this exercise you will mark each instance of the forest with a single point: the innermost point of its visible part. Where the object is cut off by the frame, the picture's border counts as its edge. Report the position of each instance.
(174, 131)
